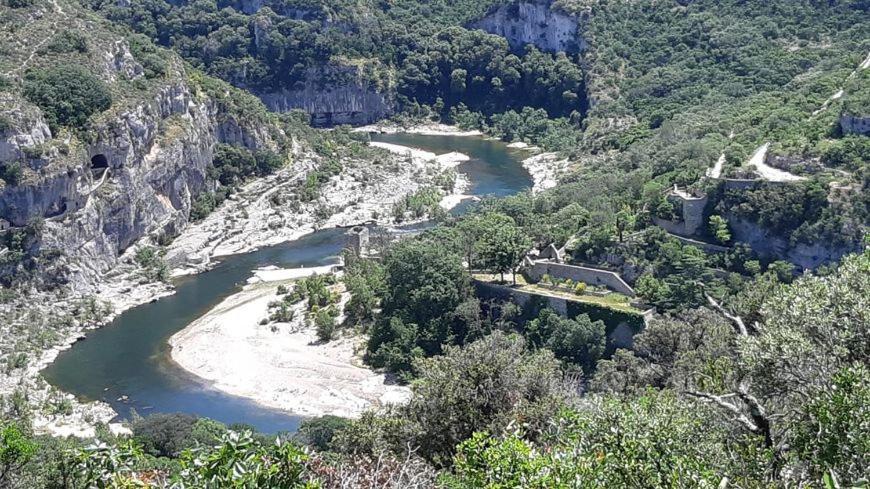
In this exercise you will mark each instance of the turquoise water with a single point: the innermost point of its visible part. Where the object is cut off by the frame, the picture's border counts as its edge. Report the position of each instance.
(127, 363)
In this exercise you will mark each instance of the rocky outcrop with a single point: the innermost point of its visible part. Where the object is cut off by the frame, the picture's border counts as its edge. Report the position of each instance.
(533, 22)
(335, 95)
(769, 245)
(855, 124)
(157, 154)
(21, 127)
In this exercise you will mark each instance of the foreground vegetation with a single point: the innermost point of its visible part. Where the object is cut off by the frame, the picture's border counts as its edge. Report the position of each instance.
(699, 400)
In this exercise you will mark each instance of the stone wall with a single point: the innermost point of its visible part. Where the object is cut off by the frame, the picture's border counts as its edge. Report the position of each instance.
(590, 276)
(741, 183)
(620, 327)
(673, 227)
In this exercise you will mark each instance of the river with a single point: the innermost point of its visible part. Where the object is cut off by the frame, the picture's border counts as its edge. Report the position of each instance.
(127, 362)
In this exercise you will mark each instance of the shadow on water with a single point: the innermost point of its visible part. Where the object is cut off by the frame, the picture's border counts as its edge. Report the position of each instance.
(127, 363)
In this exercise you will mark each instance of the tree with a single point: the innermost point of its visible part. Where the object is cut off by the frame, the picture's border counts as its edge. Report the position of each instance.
(502, 244)
(655, 440)
(164, 434)
(319, 432)
(832, 430)
(241, 461)
(425, 282)
(364, 280)
(324, 324)
(16, 449)
(67, 94)
(482, 386)
(580, 340)
(625, 221)
(719, 229)
(810, 330)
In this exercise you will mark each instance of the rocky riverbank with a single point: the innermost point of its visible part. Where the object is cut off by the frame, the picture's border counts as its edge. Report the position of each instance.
(263, 213)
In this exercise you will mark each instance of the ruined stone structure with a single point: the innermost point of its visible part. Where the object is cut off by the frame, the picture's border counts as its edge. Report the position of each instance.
(357, 239)
(590, 276)
(551, 253)
(620, 328)
(691, 208)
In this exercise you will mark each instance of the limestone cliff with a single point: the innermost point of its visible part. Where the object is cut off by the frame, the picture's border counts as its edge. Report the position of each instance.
(533, 22)
(771, 246)
(855, 124)
(335, 94)
(132, 171)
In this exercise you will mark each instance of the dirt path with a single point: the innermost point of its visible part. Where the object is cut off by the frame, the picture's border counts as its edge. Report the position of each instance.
(768, 172)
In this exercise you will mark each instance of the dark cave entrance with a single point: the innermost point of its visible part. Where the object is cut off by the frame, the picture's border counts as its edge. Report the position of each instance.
(99, 162)
(99, 165)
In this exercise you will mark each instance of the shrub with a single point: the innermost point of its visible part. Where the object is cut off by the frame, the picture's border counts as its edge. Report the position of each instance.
(325, 324)
(10, 172)
(16, 449)
(68, 42)
(164, 435)
(483, 386)
(319, 432)
(283, 313)
(151, 261)
(67, 94)
(580, 288)
(19, 3)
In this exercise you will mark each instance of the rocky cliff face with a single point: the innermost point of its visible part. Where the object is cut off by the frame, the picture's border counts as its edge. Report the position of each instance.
(334, 95)
(156, 154)
(854, 124)
(771, 246)
(534, 22)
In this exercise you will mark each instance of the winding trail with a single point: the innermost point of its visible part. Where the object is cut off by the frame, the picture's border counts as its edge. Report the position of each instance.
(768, 172)
(863, 66)
(716, 171)
(37, 46)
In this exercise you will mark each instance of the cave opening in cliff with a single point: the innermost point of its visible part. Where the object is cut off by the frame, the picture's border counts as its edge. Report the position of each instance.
(99, 162)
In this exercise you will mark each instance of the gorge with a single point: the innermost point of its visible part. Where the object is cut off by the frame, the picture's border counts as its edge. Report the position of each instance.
(126, 363)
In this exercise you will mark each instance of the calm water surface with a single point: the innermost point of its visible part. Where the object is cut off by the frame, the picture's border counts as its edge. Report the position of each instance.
(127, 363)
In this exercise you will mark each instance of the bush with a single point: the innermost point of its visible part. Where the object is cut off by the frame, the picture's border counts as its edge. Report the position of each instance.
(10, 172)
(580, 288)
(151, 261)
(67, 94)
(68, 42)
(19, 3)
(319, 432)
(580, 341)
(325, 324)
(282, 314)
(484, 386)
(164, 435)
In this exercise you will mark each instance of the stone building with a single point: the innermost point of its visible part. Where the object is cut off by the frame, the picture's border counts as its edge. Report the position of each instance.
(357, 239)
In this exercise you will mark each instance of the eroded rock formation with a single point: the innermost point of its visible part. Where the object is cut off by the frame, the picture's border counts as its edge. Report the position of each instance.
(334, 95)
(534, 22)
